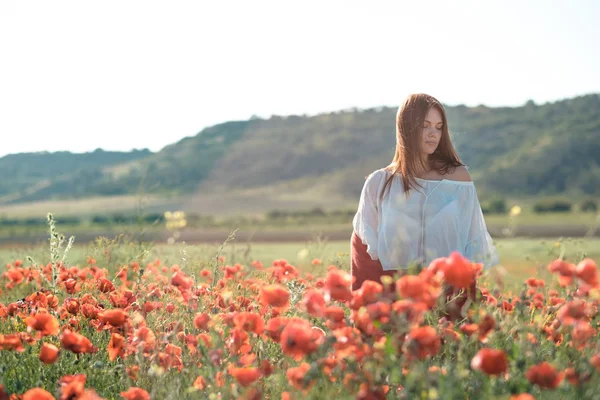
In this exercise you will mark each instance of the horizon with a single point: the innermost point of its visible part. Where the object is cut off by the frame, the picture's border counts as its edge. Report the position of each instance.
(155, 78)
(286, 115)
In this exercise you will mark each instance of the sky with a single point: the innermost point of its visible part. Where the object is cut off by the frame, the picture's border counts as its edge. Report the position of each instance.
(131, 74)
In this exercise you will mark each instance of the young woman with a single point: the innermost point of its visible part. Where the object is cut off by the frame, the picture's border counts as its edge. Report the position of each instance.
(421, 206)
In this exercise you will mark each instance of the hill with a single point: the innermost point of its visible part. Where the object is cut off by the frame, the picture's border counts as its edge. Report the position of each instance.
(546, 149)
(34, 175)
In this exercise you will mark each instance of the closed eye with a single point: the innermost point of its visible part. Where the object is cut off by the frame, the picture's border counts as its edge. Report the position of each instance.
(437, 127)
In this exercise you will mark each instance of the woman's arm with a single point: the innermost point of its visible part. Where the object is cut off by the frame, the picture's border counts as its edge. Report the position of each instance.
(480, 246)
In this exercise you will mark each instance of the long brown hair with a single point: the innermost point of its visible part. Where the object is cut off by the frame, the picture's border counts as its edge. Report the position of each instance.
(409, 125)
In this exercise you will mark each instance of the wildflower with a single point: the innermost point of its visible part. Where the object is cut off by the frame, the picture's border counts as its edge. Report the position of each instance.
(12, 341)
(587, 271)
(564, 269)
(116, 346)
(422, 342)
(490, 361)
(522, 396)
(201, 321)
(48, 353)
(313, 302)
(369, 292)
(44, 323)
(245, 375)
(411, 310)
(469, 329)
(104, 285)
(338, 285)
(334, 313)
(115, 317)
(544, 375)
(595, 361)
(297, 376)
(275, 326)
(72, 386)
(200, 383)
(249, 322)
(274, 295)
(575, 378)
(572, 312)
(77, 343)
(456, 270)
(415, 287)
(299, 339)
(486, 325)
(181, 281)
(37, 394)
(135, 393)
(515, 211)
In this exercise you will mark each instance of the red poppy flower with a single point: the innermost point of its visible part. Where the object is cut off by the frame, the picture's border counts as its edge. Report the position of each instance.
(249, 322)
(422, 342)
(245, 375)
(274, 295)
(314, 302)
(77, 343)
(458, 271)
(587, 271)
(298, 338)
(44, 323)
(338, 285)
(135, 393)
(48, 353)
(296, 376)
(37, 394)
(490, 361)
(115, 317)
(544, 375)
(116, 346)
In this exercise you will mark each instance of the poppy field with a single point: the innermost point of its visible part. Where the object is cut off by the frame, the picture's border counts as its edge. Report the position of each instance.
(116, 327)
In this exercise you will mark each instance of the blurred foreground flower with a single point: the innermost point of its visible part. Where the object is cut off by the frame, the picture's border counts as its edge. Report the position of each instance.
(174, 221)
(515, 211)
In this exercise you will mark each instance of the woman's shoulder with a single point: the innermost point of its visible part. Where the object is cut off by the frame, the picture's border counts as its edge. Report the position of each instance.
(378, 175)
(459, 174)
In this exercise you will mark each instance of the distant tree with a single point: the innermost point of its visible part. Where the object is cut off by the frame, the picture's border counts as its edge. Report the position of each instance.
(588, 205)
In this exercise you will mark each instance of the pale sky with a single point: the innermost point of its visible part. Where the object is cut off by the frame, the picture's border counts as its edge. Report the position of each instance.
(79, 75)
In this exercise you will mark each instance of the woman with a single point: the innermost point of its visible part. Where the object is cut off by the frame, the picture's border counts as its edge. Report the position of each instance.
(421, 206)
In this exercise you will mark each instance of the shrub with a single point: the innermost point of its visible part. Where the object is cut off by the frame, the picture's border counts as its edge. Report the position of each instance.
(543, 206)
(494, 206)
(100, 219)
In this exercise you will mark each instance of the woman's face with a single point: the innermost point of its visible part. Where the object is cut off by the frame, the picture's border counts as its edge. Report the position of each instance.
(432, 131)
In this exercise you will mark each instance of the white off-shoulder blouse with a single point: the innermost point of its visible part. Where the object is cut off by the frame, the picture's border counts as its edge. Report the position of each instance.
(441, 217)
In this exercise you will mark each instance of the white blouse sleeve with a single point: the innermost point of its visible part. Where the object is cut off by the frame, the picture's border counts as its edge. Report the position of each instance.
(366, 219)
(480, 246)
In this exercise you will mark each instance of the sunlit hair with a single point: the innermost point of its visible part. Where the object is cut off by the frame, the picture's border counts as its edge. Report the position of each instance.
(410, 121)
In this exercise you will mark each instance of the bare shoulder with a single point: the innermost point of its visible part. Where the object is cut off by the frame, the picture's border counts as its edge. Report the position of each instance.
(460, 174)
